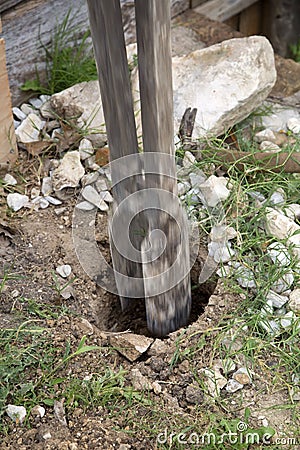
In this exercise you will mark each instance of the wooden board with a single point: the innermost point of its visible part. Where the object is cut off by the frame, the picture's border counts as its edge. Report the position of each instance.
(37, 20)
(7, 4)
(251, 20)
(195, 3)
(8, 148)
(222, 10)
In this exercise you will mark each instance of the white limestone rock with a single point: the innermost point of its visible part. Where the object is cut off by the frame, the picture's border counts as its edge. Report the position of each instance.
(69, 172)
(292, 211)
(283, 283)
(214, 190)
(220, 251)
(214, 380)
(293, 124)
(90, 194)
(277, 121)
(233, 386)
(294, 300)
(30, 128)
(10, 180)
(278, 225)
(188, 159)
(16, 201)
(269, 147)
(265, 135)
(83, 101)
(278, 197)
(288, 319)
(86, 149)
(64, 270)
(85, 206)
(222, 233)
(245, 277)
(277, 301)
(279, 254)
(16, 413)
(47, 186)
(225, 82)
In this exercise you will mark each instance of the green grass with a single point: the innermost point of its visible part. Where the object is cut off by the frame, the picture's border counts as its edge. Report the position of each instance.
(275, 356)
(68, 60)
(295, 50)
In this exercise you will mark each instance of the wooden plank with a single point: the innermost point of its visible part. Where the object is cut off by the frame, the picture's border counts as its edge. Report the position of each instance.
(8, 147)
(37, 18)
(7, 4)
(233, 22)
(110, 53)
(165, 270)
(251, 20)
(195, 3)
(222, 10)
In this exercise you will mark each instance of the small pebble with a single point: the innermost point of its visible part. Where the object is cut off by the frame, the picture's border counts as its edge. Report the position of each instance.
(16, 413)
(36, 102)
(27, 109)
(279, 254)
(233, 386)
(53, 200)
(283, 283)
(101, 184)
(106, 196)
(278, 197)
(268, 146)
(86, 149)
(35, 192)
(38, 411)
(293, 125)
(270, 326)
(278, 301)
(47, 186)
(288, 319)
(10, 180)
(188, 159)
(64, 270)
(242, 376)
(17, 201)
(183, 187)
(91, 195)
(294, 300)
(18, 113)
(265, 135)
(85, 206)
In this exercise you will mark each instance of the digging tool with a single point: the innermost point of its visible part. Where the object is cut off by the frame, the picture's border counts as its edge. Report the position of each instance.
(163, 261)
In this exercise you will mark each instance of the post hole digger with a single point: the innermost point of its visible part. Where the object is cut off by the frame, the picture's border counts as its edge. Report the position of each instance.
(148, 229)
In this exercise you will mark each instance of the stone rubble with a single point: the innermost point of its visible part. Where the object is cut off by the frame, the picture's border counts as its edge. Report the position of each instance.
(9, 180)
(17, 201)
(16, 413)
(64, 270)
(130, 345)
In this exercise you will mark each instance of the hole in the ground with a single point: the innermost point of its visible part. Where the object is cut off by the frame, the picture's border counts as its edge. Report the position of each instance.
(134, 317)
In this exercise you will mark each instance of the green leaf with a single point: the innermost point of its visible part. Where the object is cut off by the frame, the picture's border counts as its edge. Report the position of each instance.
(86, 348)
(48, 401)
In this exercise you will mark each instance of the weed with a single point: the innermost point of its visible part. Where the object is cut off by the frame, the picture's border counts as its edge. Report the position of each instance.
(8, 276)
(295, 50)
(68, 59)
